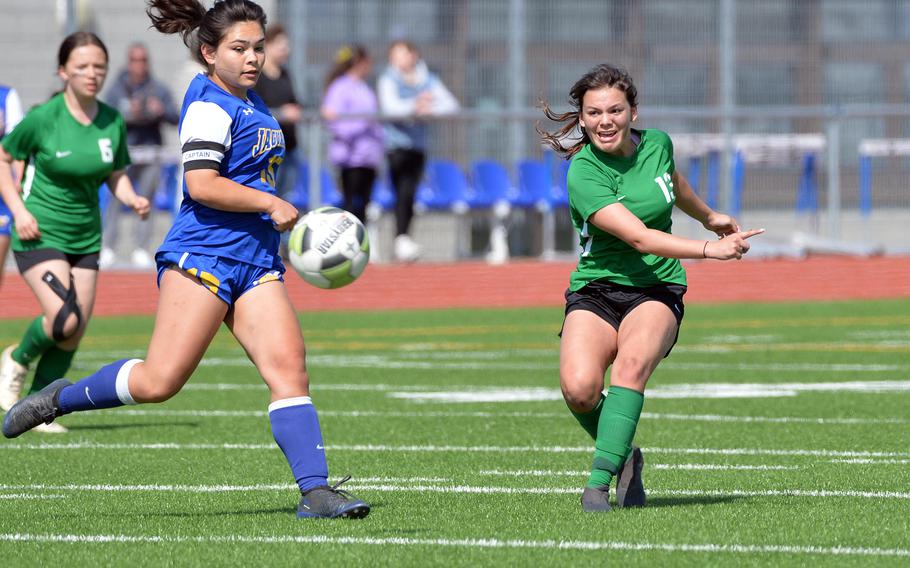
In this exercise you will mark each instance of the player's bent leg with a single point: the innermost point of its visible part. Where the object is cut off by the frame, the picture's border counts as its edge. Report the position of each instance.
(187, 320)
(645, 336)
(188, 317)
(55, 362)
(275, 345)
(38, 338)
(587, 348)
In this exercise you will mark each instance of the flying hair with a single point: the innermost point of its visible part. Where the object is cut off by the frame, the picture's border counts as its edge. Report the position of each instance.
(198, 26)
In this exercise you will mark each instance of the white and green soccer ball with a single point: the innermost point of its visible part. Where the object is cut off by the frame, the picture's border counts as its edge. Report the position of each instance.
(329, 247)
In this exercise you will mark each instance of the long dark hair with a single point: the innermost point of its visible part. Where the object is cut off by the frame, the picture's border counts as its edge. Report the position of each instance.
(603, 75)
(188, 16)
(78, 39)
(346, 57)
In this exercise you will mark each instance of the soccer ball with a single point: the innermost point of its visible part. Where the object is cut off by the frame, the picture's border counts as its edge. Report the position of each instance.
(329, 247)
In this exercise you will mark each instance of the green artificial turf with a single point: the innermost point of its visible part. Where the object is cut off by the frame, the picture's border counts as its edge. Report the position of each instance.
(451, 424)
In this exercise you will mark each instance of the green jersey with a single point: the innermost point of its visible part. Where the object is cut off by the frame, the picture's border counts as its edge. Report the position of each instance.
(643, 184)
(70, 161)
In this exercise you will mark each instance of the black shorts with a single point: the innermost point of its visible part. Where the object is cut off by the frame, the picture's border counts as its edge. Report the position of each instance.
(28, 258)
(612, 302)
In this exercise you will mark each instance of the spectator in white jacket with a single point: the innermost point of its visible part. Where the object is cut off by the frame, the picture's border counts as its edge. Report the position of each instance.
(407, 89)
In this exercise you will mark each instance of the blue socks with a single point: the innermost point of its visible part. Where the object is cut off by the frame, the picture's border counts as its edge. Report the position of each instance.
(107, 388)
(295, 427)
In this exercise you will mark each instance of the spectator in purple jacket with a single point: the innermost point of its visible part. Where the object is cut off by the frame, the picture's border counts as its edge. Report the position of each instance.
(356, 149)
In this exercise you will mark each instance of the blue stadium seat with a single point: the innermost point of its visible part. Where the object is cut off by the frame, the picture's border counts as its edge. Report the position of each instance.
(446, 188)
(492, 184)
(535, 187)
(561, 188)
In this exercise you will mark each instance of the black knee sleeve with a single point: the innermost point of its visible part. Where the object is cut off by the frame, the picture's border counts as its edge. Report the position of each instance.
(70, 306)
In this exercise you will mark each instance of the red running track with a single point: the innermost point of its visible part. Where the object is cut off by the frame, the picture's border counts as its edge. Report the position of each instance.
(524, 283)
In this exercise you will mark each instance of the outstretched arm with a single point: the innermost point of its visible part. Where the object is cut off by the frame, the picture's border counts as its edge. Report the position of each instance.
(622, 223)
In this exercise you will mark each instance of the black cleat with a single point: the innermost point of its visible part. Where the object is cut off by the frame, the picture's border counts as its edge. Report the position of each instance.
(327, 502)
(630, 492)
(39, 408)
(596, 500)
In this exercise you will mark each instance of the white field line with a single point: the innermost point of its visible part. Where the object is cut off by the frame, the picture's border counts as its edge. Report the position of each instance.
(29, 496)
(339, 413)
(653, 492)
(504, 414)
(463, 489)
(721, 467)
(871, 461)
(662, 466)
(461, 360)
(784, 367)
(770, 419)
(520, 393)
(460, 449)
(672, 391)
(482, 543)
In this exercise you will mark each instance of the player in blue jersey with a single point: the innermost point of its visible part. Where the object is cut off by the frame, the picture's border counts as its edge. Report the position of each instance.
(219, 262)
(10, 116)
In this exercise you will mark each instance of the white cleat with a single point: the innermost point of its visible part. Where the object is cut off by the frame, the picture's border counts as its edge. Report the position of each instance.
(406, 250)
(52, 428)
(107, 258)
(12, 375)
(141, 259)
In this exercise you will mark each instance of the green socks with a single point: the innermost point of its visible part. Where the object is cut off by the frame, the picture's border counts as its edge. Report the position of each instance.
(615, 431)
(34, 343)
(53, 365)
(589, 420)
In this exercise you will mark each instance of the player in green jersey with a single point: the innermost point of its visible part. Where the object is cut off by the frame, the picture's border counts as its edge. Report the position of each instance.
(624, 302)
(75, 143)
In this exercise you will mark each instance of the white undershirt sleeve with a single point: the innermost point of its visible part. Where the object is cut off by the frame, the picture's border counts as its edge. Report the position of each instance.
(205, 136)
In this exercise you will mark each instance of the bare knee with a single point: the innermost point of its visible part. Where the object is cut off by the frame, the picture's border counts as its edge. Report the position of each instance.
(67, 330)
(631, 371)
(152, 385)
(581, 391)
(286, 375)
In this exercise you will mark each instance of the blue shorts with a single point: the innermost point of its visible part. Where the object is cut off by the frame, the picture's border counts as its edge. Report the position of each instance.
(226, 278)
(6, 219)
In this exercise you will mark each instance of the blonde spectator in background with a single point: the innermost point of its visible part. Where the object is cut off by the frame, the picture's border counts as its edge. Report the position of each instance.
(409, 92)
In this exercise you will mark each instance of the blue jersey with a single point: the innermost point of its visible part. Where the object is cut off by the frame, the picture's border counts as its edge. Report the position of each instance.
(243, 142)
